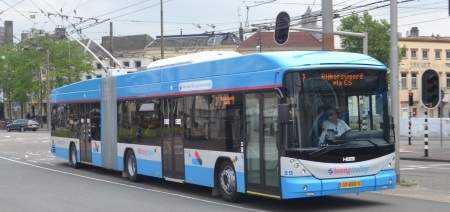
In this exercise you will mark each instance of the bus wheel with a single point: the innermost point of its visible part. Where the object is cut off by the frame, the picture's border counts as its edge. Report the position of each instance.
(73, 156)
(131, 166)
(227, 183)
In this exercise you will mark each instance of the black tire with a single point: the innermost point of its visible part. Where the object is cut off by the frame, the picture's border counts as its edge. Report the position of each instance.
(131, 166)
(73, 156)
(8, 129)
(227, 183)
(22, 129)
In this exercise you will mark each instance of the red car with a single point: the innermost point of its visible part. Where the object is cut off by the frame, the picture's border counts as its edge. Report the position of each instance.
(22, 125)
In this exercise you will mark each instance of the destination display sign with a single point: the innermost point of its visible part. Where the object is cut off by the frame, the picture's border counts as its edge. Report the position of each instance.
(348, 80)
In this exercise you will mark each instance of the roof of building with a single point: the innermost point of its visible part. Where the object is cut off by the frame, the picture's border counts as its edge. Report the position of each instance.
(197, 40)
(296, 39)
(124, 43)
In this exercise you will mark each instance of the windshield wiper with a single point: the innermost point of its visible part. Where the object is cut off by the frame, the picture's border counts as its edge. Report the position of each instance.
(329, 148)
(324, 150)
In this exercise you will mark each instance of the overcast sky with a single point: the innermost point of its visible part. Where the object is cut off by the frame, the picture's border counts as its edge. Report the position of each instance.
(130, 17)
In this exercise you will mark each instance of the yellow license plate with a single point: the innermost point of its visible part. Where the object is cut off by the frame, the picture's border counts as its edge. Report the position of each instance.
(352, 184)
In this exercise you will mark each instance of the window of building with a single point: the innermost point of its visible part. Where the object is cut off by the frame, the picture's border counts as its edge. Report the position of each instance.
(99, 76)
(447, 54)
(413, 53)
(448, 80)
(403, 51)
(437, 54)
(425, 54)
(404, 80)
(88, 77)
(137, 64)
(99, 66)
(126, 64)
(414, 80)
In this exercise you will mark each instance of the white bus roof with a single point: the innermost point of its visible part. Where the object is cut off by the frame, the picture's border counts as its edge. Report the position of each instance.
(192, 58)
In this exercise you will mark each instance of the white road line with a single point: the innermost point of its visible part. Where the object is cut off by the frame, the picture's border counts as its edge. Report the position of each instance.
(447, 164)
(131, 186)
(407, 169)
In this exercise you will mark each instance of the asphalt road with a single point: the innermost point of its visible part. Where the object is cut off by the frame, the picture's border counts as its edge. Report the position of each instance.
(31, 179)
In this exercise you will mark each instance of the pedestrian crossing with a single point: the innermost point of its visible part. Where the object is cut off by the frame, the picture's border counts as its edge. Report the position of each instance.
(443, 166)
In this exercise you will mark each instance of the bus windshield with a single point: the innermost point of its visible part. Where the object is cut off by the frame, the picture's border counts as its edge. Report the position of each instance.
(337, 106)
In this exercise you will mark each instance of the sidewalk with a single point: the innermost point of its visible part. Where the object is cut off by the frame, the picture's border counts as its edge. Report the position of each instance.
(423, 186)
(416, 151)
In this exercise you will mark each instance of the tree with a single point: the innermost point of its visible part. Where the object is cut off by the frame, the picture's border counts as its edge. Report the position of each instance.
(24, 71)
(8, 63)
(377, 31)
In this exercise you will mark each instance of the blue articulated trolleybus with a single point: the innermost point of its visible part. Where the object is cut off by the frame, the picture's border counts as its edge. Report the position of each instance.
(247, 124)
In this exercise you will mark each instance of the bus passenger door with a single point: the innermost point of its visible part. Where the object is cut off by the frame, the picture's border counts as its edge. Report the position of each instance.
(85, 134)
(172, 147)
(261, 148)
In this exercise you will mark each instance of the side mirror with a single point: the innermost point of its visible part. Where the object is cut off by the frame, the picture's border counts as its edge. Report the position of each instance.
(283, 114)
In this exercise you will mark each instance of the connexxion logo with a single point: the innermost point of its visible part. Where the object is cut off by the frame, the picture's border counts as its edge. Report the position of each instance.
(348, 171)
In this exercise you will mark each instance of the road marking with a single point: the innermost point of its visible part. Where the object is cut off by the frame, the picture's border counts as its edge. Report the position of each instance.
(432, 166)
(448, 164)
(130, 186)
(401, 169)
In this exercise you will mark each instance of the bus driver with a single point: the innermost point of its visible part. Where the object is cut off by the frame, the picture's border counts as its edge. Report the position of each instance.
(334, 124)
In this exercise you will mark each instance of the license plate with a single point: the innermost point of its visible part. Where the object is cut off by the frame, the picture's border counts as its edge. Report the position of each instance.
(352, 184)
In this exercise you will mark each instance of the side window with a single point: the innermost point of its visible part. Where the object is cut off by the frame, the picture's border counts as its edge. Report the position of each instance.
(139, 121)
(95, 118)
(63, 121)
(214, 122)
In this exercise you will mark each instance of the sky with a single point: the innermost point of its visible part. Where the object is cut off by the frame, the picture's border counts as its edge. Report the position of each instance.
(132, 17)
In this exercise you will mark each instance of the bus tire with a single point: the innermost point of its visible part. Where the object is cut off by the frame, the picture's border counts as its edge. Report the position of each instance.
(73, 156)
(131, 166)
(227, 183)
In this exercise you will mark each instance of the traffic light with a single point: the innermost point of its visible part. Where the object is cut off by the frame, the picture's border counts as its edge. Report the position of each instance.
(282, 23)
(430, 88)
(411, 99)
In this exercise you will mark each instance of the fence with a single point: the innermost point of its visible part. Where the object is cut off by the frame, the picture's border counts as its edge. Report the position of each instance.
(436, 126)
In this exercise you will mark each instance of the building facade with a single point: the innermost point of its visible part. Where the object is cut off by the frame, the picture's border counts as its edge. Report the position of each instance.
(418, 54)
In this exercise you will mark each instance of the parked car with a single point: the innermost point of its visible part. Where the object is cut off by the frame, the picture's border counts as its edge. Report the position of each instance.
(22, 125)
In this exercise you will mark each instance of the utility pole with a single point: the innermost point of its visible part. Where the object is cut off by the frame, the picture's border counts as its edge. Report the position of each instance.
(327, 25)
(111, 40)
(162, 32)
(259, 47)
(393, 66)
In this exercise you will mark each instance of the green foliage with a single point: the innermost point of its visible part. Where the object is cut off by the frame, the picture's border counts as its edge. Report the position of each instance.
(23, 69)
(378, 33)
